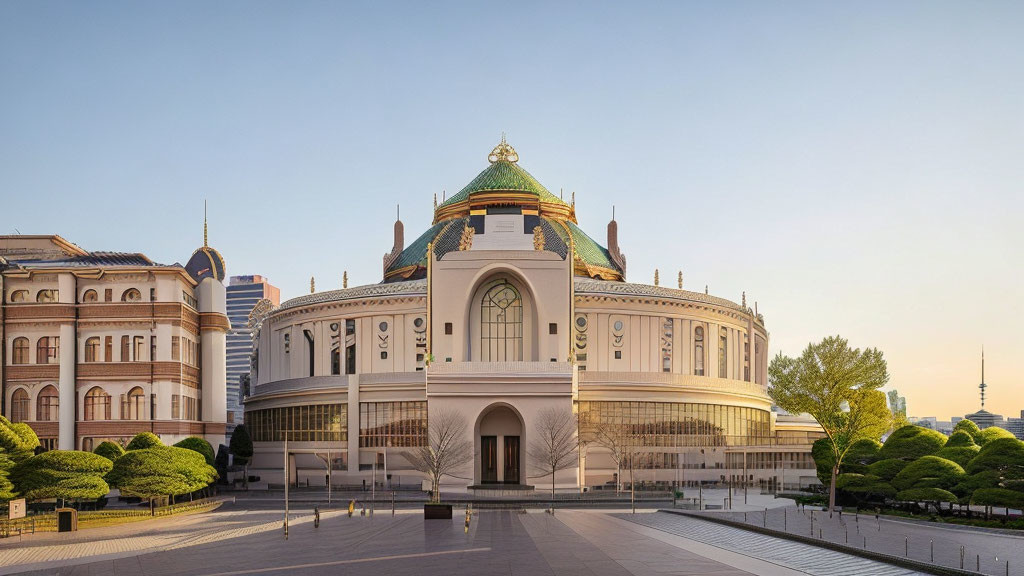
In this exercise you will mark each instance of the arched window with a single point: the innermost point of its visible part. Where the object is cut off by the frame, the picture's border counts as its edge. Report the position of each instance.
(46, 296)
(501, 324)
(19, 406)
(131, 295)
(47, 405)
(47, 349)
(19, 352)
(133, 406)
(723, 352)
(19, 296)
(138, 348)
(97, 404)
(698, 351)
(92, 349)
(90, 296)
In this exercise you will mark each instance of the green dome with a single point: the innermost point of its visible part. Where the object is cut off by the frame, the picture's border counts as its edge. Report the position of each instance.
(503, 175)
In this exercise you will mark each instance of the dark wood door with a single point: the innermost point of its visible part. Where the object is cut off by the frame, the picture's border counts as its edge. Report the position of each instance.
(511, 460)
(488, 459)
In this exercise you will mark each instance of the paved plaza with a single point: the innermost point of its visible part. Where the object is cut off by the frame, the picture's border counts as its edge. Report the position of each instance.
(235, 540)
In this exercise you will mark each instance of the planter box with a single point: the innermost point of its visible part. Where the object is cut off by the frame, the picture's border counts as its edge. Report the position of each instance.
(437, 511)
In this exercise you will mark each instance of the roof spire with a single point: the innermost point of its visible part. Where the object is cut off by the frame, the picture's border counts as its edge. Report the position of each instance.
(205, 228)
(398, 211)
(680, 280)
(503, 152)
(435, 200)
(655, 276)
(312, 284)
(613, 211)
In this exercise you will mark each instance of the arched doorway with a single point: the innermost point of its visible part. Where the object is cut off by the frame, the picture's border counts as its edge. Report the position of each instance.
(500, 434)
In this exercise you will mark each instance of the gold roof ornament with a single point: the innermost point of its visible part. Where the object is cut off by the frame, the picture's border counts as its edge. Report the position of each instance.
(206, 230)
(503, 152)
(655, 276)
(344, 279)
(744, 298)
(312, 285)
(680, 279)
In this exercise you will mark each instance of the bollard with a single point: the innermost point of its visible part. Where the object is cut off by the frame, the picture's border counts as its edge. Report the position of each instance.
(977, 563)
(785, 520)
(316, 517)
(744, 517)
(961, 557)
(765, 525)
(906, 546)
(931, 548)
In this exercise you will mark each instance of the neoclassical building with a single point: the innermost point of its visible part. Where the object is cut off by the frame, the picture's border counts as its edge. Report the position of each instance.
(502, 309)
(104, 345)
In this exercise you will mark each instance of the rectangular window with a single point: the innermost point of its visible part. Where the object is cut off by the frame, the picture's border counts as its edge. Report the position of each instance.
(108, 349)
(392, 424)
(108, 295)
(138, 348)
(125, 351)
(553, 328)
(152, 348)
(152, 294)
(175, 348)
(723, 355)
(175, 407)
(448, 328)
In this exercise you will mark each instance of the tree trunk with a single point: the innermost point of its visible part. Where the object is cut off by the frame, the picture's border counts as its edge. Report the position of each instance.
(552, 492)
(832, 491)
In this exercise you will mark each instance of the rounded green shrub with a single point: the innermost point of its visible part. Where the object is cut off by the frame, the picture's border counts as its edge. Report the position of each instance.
(960, 439)
(161, 471)
(912, 442)
(865, 485)
(926, 495)
(1003, 454)
(109, 450)
(887, 469)
(68, 474)
(18, 440)
(144, 440)
(998, 497)
(959, 454)
(241, 445)
(928, 472)
(992, 433)
(860, 454)
(197, 444)
(967, 426)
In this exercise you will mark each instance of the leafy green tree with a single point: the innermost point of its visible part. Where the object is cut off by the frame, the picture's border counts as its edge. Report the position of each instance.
(18, 440)
(992, 433)
(64, 474)
(911, 442)
(109, 450)
(161, 471)
(6, 486)
(838, 387)
(241, 447)
(887, 469)
(197, 444)
(929, 472)
(143, 440)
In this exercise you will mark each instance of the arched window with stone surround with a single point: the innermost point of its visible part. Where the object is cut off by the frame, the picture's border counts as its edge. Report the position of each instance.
(133, 405)
(97, 404)
(92, 349)
(698, 351)
(19, 406)
(90, 296)
(19, 351)
(48, 405)
(131, 295)
(501, 323)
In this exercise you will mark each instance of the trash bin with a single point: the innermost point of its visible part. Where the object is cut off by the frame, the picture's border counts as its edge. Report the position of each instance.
(67, 520)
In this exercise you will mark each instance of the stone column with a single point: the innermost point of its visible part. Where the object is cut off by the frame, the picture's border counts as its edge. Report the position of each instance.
(353, 419)
(67, 294)
(213, 326)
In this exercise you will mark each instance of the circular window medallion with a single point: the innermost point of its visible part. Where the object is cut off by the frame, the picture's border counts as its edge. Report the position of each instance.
(383, 326)
(618, 325)
(418, 322)
(335, 326)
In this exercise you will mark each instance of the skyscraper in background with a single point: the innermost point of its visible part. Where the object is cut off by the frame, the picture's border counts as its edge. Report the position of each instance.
(244, 292)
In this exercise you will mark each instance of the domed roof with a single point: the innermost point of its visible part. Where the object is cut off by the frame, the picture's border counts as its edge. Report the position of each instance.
(503, 182)
(206, 262)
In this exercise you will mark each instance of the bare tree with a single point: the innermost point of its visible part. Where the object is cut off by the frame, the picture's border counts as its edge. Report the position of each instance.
(615, 437)
(554, 445)
(447, 449)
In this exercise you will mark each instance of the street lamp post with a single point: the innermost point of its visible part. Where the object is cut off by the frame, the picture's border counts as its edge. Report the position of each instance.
(287, 481)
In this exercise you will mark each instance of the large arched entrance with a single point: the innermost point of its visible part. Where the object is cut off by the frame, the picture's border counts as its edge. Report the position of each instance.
(499, 439)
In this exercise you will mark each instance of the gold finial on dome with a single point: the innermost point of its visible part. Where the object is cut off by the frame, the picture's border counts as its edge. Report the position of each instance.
(503, 152)
(205, 229)
(312, 285)
(655, 276)
(344, 279)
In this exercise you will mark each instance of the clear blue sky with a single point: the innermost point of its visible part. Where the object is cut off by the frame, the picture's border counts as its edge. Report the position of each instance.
(857, 169)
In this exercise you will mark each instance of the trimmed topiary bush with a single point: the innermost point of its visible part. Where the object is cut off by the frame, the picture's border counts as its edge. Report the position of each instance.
(1002, 454)
(992, 433)
(67, 474)
(998, 497)
(860, 454)
(929, 472)
(6, 486)
(959, 454)
(144, 440)
(960, 439)
(935, 495)
(241, 445)
(161, 471)
(912, 442)
(197, 444)
(18, 440)
(967, 426)
(109, 450)
(865, 485)
(887, 469)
